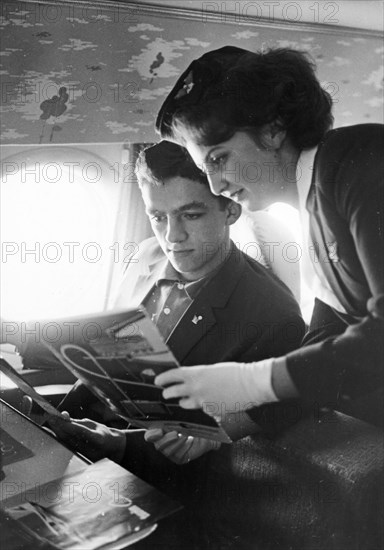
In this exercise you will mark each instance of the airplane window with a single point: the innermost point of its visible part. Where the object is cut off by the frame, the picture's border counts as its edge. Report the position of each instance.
(58, 226)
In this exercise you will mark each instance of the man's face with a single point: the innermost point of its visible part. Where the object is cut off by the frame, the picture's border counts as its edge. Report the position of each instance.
(189, 224)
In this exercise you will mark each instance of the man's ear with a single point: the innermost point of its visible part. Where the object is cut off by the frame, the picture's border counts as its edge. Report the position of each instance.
(272, 135)
(233, 212)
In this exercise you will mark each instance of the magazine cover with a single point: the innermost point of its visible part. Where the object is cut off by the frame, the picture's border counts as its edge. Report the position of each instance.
(104, 507)
(117, 356)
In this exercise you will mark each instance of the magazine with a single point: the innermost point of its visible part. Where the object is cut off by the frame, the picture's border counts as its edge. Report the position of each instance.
(102, 507)
(117, 355)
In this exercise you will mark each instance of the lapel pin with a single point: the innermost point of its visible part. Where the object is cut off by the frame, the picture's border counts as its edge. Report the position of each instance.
(332, 252)
(197, 319)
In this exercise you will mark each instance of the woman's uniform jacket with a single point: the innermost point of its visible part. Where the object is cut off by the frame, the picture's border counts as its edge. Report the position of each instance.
(345, 205)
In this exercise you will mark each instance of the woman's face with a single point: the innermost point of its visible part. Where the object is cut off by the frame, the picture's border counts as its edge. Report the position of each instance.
(240, 169)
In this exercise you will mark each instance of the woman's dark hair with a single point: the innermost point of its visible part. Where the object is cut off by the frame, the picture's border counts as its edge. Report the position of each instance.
(166, 160)
(247, 92)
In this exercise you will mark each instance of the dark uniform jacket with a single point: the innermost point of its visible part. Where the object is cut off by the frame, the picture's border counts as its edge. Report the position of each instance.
(345, 205)
(244, 313)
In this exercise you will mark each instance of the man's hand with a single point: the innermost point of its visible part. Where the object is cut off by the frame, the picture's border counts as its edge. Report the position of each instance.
(221, 387)
(92, 439)
(179, 448)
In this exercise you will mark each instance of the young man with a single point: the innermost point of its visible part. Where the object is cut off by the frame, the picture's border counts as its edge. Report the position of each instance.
(210, 301)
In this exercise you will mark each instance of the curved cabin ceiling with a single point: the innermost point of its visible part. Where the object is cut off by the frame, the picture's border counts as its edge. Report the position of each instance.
(98, 72)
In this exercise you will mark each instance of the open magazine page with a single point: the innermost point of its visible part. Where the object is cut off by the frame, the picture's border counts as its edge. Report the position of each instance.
(104, 506)
(117, 356)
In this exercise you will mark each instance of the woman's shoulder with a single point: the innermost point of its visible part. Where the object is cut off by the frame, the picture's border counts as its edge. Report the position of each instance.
(359, 136)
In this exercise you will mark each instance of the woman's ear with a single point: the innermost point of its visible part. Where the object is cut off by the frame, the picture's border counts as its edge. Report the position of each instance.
(272, 135)
(233, 212)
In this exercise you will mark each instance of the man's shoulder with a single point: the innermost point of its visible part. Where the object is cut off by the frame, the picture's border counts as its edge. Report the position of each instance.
(140, 272)
(265, 284)
(145, 257)
(256, 270)
(149, 252)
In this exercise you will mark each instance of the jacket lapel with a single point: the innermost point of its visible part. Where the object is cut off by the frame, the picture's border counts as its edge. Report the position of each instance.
(200, 316)
(325, 248)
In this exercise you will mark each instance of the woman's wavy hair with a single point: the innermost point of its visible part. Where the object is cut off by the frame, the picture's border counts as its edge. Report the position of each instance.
(244, 92)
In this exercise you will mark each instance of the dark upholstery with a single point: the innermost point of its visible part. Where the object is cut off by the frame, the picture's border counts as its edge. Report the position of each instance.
(317, 486)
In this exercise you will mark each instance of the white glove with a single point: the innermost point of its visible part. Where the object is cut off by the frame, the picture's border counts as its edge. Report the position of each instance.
(179, 448)
(220, 388)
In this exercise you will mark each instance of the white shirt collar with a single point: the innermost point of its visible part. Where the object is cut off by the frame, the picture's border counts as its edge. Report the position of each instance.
(304, 173)
(312, 273)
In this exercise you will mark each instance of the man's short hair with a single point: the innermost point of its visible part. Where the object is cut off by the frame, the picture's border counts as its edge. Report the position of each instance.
(166, 160)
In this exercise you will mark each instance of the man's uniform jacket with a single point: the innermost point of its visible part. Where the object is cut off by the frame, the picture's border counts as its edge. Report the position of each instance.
(243, 313)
